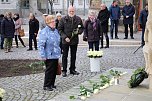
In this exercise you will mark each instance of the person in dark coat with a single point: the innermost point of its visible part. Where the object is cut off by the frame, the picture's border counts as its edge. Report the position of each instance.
(70, 27)
(8, 30)
(103, 16)
(92, 31)
(128, 12)
(33, 31)
(142, 21)
(2, 37)
(114, 18)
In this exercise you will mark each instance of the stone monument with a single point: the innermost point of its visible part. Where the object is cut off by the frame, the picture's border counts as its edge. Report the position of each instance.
(147, 49)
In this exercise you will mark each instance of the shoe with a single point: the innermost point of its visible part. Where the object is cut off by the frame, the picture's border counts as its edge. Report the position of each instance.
(74, 72)
(125, 38)
(116, 38)
(132, 37)
(48, 88)
(36, 49)
(64, 74)
(53, 86)
(6, 51)
(2, 47)
(106, 47)
(10, 50)
(29, 49)
(101, 47)
(24, 46)
(16, 46)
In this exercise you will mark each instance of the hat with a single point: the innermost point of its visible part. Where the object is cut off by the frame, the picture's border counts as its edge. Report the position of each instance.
(127, 0)
(45, 14)
(58, 14)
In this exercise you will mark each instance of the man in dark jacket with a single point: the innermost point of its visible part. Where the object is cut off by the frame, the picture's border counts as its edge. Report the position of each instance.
(142, 21)
(70, 27)
(128, 11)
(33, 31)
(8, 30)
(114, 17)
(2, 36)
(103, 16)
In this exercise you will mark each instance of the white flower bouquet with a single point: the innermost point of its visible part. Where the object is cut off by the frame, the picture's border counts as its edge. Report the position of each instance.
(2, 91)
(94, 54)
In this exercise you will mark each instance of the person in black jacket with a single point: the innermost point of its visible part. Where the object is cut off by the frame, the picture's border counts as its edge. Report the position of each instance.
(128, 12)
(8, 30)
(2, 37)
(33, 31)
(103, 16)
(70, 27)
(142, 21)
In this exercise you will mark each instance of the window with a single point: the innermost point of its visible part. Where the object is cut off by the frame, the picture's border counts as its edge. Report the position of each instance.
(87, 2)
(25, 4)
(5, 1)
(56, 1)
(80, 2)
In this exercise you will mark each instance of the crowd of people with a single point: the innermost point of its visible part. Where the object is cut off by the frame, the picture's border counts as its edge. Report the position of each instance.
(60, 34)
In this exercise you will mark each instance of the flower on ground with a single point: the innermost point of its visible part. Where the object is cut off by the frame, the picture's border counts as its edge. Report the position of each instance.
(2, 91)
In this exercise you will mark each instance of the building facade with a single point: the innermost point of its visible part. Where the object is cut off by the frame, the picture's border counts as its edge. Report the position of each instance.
(24, 7)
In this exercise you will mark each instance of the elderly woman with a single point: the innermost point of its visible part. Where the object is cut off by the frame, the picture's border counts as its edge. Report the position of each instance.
(92, 31)
(49, 49)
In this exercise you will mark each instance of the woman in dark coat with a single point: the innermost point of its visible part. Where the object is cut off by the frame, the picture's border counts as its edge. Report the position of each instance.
(103, 16)
(92, 31)
(8, 29)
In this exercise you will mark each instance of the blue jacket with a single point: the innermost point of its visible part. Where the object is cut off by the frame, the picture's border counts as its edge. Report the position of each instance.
(114, 12)
(143, 17)
(128, 11)
(48, 43)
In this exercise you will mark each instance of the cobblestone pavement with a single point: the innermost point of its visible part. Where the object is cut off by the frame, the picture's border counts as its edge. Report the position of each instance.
(29, 87)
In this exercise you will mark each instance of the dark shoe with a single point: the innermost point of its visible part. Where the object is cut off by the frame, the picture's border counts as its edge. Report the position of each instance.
(10, 50)
(101, 47)
(48, 88)
(53, 86)
(64, 74)
(106, 47)
(2, 47)
(24, 46)
(116, 38)
(74, 72)
(29, 49)
(125, 38)
(16, 46)
(132, 37)
(36, 49)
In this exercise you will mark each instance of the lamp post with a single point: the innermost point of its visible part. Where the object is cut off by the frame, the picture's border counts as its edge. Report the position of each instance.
(47, 7)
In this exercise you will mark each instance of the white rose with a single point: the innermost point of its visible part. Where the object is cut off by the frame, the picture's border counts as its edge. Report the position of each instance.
(83, 97)
(96, 91)
(79, 26)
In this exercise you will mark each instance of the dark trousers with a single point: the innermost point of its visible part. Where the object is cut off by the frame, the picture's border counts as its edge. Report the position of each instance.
(94, 44)
(73, 51)
(2, 41)
(16, 40)
(50, 72)
(114, 23)
(32, 37)
(107, 39)
(142, 36)
(126, 30)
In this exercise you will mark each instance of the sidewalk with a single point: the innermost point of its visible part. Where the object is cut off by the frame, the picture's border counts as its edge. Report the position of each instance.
(119, 92)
